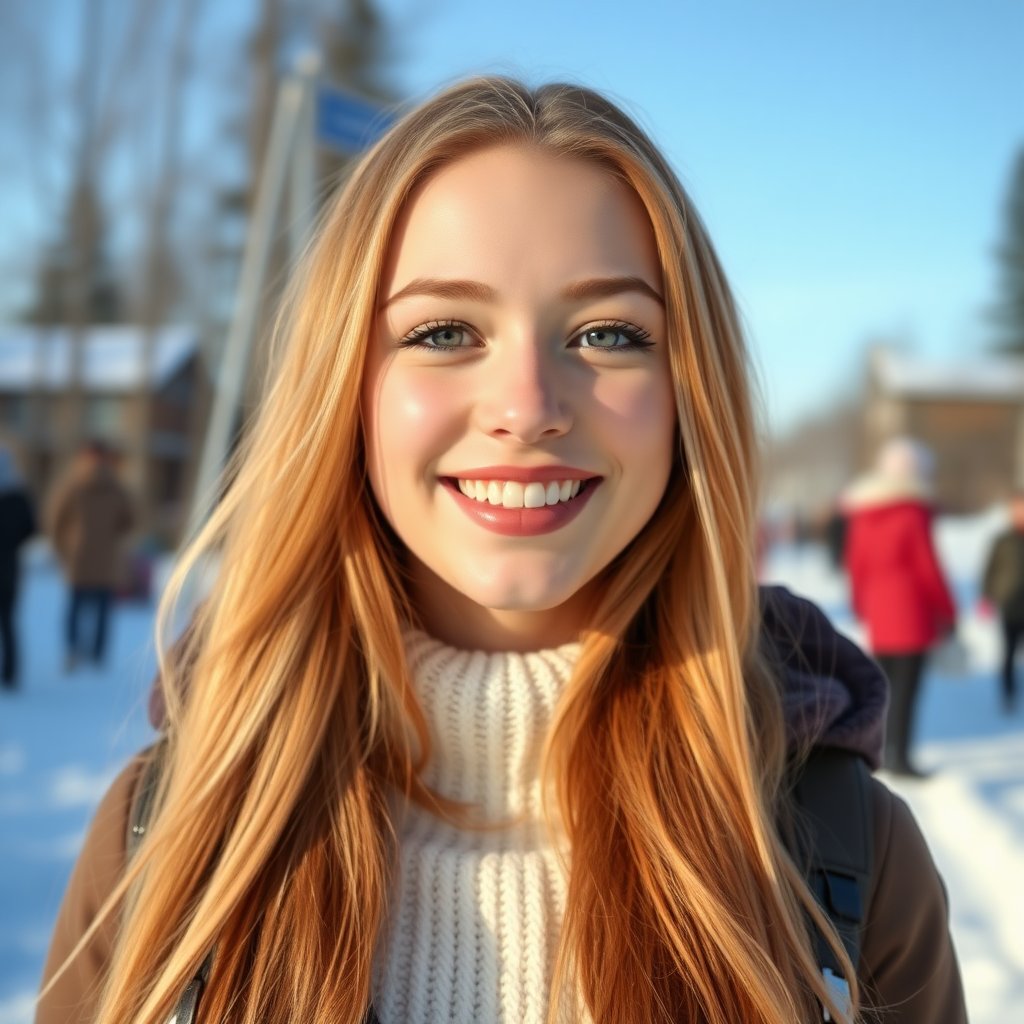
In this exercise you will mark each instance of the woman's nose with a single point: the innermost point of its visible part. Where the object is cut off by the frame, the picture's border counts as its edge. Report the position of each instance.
(526, 400)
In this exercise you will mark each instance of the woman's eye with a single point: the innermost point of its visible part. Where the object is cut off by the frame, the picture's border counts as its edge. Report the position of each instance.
(447, 337)
(443, 337)
(613, 337)
(603, 337)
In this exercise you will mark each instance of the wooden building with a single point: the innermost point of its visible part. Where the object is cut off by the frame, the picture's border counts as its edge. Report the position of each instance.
(146, 394)
(970, 412)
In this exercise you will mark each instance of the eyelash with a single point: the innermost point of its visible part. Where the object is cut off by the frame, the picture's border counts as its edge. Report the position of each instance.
(639, 339)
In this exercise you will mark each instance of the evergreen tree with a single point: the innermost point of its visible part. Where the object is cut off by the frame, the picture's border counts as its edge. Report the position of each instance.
(1009, 312)
(75, 281)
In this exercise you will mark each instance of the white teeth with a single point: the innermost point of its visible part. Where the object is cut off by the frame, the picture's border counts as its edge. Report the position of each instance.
(512, 494)
(534, 496)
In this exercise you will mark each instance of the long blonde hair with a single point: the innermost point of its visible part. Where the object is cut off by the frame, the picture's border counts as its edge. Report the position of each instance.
(272, 844)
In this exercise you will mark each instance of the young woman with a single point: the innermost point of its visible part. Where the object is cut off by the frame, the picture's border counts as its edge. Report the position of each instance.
(480, 721)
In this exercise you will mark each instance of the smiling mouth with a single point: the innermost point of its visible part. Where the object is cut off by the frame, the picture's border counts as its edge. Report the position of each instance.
(522, 508)
(514, 494)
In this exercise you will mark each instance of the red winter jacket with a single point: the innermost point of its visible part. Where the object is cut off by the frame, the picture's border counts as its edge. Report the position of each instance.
(899, 591)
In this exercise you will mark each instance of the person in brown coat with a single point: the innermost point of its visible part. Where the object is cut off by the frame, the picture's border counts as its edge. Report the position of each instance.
(88, 520)
(1003, 585)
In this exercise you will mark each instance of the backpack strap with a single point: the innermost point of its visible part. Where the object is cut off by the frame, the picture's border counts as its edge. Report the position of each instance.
(139, 817)
(141, 812)
(833, 799)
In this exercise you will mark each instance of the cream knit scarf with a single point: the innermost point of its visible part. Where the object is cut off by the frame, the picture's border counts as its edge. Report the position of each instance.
(475, 914)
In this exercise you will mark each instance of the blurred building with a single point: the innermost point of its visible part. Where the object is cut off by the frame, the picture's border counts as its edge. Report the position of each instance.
(970, 412)
(146, 393)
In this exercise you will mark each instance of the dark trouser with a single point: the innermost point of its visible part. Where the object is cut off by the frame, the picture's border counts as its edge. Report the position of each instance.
(83, 600)
(904, 674)
(1012, 633)
(9, 652)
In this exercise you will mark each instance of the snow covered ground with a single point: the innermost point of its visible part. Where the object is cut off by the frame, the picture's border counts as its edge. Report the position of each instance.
(63, 738)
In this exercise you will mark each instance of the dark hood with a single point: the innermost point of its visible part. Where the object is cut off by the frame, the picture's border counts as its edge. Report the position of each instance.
(833, 694)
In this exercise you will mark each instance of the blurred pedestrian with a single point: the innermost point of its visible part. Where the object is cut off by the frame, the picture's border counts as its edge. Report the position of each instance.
(1003, 585)
(17, 524)
(898, 588)
(90, 516)
(835, 538)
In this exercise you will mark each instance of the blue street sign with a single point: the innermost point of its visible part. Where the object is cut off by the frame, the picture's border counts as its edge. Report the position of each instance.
(349, 123)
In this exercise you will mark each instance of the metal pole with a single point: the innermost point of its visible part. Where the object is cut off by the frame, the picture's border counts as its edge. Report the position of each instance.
(302, 199)
(229, 380)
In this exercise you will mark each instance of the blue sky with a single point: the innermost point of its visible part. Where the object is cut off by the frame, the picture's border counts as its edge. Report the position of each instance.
(851, 159)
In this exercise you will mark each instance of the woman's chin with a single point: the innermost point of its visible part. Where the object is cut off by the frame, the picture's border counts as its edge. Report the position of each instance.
(521, 600)
(524, 589)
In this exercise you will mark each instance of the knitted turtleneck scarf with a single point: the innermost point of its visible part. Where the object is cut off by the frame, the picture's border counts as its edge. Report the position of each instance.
(475, 913)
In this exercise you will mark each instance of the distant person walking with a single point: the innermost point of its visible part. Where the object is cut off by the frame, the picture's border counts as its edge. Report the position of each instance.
(17, 524)
(90, 516)
(898, 588)
(1003, 585)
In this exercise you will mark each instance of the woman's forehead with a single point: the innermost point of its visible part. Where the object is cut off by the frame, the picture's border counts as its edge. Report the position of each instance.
(512, 213)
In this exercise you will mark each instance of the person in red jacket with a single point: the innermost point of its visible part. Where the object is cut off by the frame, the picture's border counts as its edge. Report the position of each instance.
(897, 585)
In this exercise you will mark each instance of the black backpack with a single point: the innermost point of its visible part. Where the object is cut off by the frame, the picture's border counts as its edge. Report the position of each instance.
(833, 800)
(834, 839)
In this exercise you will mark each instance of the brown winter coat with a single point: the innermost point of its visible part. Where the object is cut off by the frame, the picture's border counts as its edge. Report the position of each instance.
(908, 970)
(88, 520)
(1003, 584)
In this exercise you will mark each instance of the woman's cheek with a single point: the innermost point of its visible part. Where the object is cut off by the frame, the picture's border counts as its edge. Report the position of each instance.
(638, 417)
(420, 424)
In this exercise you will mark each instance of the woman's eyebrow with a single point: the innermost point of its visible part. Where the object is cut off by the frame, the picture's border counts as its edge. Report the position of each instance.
(476, 291)
(602, 287)
(440, 288)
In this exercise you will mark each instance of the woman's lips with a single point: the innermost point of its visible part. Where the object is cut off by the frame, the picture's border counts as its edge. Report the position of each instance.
(522, 522)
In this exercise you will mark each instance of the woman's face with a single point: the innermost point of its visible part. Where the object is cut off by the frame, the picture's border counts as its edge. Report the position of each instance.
(519, 408)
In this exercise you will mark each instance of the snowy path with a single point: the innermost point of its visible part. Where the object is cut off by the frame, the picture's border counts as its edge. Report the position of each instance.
(63, 738)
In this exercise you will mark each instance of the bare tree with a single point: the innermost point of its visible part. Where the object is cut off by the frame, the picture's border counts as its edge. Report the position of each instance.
(160, 266)
(138, 219)
(77, 282)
